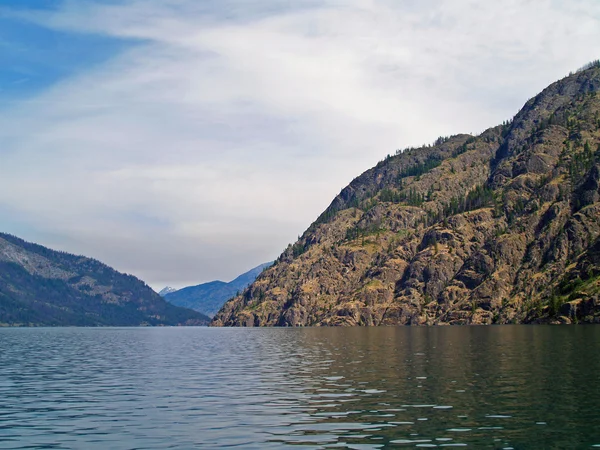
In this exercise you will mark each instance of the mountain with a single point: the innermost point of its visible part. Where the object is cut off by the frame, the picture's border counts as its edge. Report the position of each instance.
(502, 227)
(43, 287)
(208, 298)
(167, 290)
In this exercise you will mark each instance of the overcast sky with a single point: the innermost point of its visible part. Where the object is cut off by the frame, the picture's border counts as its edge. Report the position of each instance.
(184, 141)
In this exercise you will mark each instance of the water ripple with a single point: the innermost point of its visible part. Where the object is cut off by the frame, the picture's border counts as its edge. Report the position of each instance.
(501, 387)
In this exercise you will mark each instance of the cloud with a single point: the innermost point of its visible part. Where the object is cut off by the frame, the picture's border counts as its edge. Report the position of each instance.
(224, 128)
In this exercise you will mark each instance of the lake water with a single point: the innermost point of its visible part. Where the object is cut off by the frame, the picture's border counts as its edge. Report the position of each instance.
(499, 387)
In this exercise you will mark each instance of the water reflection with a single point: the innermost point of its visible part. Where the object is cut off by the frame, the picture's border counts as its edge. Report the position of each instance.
(484, 387)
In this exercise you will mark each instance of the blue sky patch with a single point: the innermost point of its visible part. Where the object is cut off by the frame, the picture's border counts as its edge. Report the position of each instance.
(34, 58)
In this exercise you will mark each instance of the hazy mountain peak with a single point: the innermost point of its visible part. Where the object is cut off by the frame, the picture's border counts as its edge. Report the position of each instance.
(166, 290)
(209, 297)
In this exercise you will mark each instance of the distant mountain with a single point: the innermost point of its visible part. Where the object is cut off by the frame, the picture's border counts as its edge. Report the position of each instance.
(167, 290)
(503, 227)
(208, 298)
(43, 287)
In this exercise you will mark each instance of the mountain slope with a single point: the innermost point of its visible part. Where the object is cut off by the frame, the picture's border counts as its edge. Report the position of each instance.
(498, 228)
(208, 298)
(39, 286)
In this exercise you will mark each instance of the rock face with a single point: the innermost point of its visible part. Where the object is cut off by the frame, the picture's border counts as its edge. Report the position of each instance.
(498, 228)
(208, 298)
(39, 286)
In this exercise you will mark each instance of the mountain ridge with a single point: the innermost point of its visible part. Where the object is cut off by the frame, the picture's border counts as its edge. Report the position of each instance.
(501, 227)
(40, 286)
(209, 297)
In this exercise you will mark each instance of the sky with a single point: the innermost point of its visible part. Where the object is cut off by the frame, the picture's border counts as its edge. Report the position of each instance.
(184, 141)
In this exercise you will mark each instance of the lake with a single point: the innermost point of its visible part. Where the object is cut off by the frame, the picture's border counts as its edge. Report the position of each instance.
(498, 387)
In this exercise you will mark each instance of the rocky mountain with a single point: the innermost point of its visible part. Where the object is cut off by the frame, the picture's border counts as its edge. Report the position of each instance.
(43, 287)
(166, 290)
(208, 298)
(502, 227)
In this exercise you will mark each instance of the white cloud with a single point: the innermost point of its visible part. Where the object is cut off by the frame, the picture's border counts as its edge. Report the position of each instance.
(228, 127)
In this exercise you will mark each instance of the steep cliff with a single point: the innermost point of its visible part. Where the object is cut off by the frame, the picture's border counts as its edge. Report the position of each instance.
(502, 227)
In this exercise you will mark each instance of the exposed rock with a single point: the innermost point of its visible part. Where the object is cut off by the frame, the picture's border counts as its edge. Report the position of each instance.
(498, 228)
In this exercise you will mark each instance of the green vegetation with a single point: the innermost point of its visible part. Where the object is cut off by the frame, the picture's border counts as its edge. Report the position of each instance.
(107, 298)
(554, 304)
(590, 65)
(463, 148)
(417, 170)
(357, 231)
(411, 197)
(581, 163)
(572, 289)
(299, 248)
(479, 197)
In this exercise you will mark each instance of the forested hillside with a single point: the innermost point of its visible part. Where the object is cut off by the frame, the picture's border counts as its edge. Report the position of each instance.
(39, 286)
